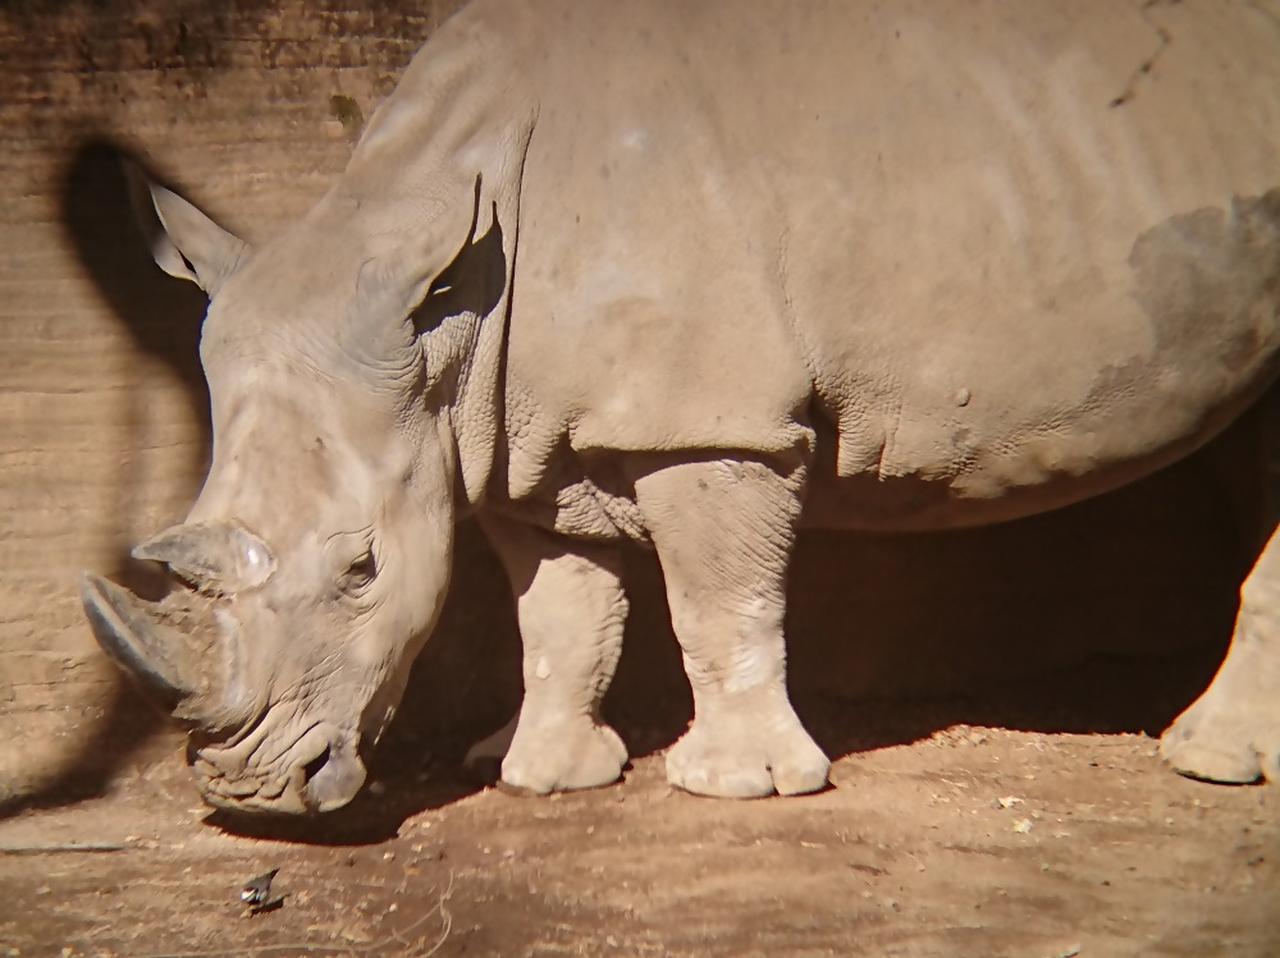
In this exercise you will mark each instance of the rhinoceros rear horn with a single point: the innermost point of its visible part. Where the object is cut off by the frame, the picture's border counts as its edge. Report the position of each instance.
(220, 556)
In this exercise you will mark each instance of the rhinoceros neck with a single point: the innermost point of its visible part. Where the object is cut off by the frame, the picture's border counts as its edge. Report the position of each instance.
(441, 166)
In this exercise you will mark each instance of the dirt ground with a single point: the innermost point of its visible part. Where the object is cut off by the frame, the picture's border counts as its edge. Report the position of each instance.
(991, 837)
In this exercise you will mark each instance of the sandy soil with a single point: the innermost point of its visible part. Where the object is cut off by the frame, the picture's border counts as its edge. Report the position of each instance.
(992, 837)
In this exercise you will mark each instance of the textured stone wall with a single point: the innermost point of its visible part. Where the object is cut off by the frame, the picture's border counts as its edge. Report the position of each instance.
(250, 108)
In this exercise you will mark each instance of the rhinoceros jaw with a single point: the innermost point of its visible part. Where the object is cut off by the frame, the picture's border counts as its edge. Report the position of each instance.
(318, 773)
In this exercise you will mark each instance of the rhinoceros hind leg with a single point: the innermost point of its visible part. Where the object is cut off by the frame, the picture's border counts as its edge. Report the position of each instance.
(724, 531)
(571, 609)
(1232, 732)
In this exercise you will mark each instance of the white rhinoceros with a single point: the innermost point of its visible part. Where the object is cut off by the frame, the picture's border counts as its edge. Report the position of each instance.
(694, 275)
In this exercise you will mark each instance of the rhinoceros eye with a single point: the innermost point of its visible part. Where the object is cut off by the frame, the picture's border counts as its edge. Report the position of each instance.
(360, 573)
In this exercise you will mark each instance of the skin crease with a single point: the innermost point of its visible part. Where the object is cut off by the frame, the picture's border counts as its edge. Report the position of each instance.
(851, 265)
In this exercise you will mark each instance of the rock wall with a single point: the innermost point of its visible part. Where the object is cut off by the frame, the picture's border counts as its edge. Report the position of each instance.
(250, 108)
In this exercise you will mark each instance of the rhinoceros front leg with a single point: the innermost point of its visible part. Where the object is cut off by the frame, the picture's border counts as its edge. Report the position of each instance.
(1232, 732)
(724, 532)
(571, 609)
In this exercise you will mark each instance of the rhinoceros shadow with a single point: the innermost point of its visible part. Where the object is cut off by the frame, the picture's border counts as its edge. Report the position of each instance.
(163, 320)
(1107, 616)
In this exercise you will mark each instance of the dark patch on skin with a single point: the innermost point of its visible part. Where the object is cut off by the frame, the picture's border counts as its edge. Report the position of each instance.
(1208, 282)
(347, 112)
(1213, 274)
(1118, 379)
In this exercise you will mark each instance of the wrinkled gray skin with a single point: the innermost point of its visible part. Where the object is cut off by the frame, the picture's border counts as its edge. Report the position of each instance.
(887, 266)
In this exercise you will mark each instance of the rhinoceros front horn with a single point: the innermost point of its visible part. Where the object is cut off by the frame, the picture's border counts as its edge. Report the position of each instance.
(136, 634)
(219, 556)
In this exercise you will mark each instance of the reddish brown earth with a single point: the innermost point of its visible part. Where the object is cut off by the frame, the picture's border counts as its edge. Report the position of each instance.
(955, 839)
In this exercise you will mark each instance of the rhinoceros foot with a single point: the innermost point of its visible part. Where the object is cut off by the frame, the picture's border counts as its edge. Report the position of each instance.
(748, 758)
(1231, 734)
(578, 753)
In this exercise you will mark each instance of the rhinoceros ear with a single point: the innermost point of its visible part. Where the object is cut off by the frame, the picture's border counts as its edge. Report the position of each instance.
(473, 281)
(443, 273)
(184, 241)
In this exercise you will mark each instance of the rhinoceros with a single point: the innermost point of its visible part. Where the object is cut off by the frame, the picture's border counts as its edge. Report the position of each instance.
(694, 276)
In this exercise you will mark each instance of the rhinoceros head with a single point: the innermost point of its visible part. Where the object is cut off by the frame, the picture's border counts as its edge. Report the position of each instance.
(317, 555)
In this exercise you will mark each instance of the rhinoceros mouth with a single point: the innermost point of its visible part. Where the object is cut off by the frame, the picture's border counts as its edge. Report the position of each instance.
(319, 771)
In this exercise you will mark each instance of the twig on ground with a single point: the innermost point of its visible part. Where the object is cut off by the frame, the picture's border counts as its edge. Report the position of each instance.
(59, 848)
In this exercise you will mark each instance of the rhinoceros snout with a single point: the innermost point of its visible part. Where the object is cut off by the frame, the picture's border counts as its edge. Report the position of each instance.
(320, 772)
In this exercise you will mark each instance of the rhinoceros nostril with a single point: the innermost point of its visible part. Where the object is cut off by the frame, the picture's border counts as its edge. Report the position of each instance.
(334, 776)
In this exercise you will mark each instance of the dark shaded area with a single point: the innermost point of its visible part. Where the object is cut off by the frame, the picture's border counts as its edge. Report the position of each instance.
(472, 283)
(163, 317)
(127, 724)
